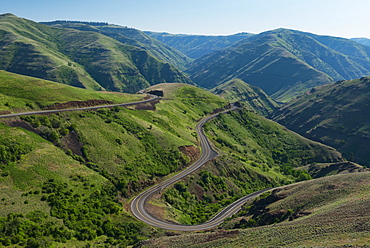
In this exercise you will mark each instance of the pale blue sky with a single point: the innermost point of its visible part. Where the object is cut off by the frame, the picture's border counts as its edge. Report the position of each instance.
(344, 18)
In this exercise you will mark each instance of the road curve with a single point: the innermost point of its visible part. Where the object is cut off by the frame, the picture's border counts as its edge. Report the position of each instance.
(137, 205)
(152, 98)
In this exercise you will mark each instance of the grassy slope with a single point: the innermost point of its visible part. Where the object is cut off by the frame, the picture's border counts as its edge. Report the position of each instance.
(130, 36)
(71, 150)
(250, 96)
(259, 63)
(31, 49)
(334, 114)
(255, 153)
(308, 60)
(70, 154)
(83, 59)
(335, 211)
(19, 93)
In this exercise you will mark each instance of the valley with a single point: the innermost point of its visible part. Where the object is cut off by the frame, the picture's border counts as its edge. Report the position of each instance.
(203, 156)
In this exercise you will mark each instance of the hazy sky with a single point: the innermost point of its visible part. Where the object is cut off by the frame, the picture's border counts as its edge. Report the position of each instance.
(344, 18)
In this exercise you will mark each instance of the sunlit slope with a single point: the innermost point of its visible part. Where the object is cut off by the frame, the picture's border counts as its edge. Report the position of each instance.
(130, 36)
(19, 93)
(254, 98)
(325, 212)
(79, 58)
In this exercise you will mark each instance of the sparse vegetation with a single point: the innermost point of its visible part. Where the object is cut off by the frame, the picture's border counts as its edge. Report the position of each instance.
(334, 114)
(325, 212)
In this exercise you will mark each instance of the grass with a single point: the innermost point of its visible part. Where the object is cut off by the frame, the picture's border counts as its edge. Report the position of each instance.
(83, 59)
(71, 150)
(338, 220)
(333, 114)
(19, 93)
(255, 153)
(250, 96)
(93, 162)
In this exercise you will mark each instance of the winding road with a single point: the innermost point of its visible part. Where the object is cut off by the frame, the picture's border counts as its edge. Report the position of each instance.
(152, 98)
(138, 203)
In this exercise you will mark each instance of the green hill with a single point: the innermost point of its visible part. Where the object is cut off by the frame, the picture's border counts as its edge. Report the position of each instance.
(195, 46)
(325, 212)
(250, 96)
(79, 58)
(66, 179)
(129, 36)
(284, 63)
(334, 114)
(22, 93)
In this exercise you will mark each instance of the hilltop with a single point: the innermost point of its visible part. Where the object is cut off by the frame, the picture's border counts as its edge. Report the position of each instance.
(284, 63)
(252, 97)
(334, 114)
(79, 58)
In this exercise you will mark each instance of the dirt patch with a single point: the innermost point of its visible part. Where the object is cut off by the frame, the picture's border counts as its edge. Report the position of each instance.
(145, 106)
(155, 210)
(197, 190)
(5, 112)
(183, 241)
(79, 104)
(21, 124)
(191, 152)
(71, 142)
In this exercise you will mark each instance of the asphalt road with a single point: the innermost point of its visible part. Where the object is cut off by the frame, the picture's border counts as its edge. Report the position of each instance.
(152, 98)
(139, 202)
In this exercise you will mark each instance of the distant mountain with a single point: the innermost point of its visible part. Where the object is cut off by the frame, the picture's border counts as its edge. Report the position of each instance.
(363, 41)
(79, 58)
(284, 63)
(129, 36)
(336, 114)
(252, 97)
(196, 46)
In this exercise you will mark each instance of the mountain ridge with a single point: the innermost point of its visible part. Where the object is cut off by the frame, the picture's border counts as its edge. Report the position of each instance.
(196, 46)
(83, 59)
(261, 58)
(129, 36)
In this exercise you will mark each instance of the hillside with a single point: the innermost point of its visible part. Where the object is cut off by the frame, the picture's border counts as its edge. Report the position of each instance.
(256, 153)
(284, 63)
(66, 179)
(22, 93)
(325, 212)
(195, 46)
(79, 58)
(250, 96)
(334, 114)
(130, 36)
